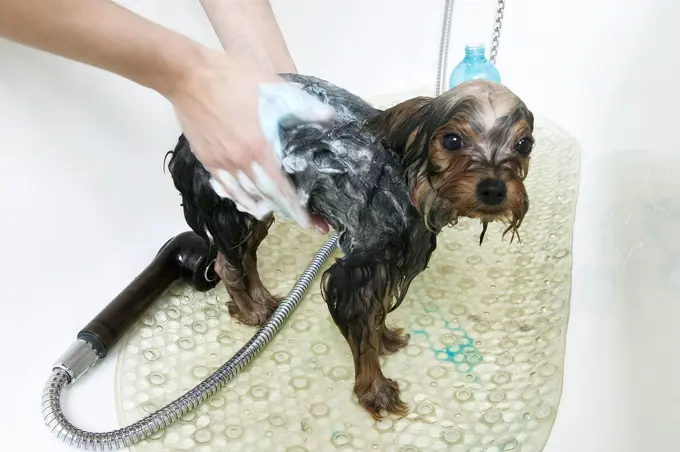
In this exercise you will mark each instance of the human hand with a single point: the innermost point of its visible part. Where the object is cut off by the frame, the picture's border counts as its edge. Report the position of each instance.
(230, 109)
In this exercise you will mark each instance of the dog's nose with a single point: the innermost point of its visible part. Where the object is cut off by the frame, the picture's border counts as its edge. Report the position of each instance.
(492, 191)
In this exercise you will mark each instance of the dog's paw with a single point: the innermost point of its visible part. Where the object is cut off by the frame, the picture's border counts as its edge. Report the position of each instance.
(255, 315)
(254, 308)
(382, 399)
(392, 340)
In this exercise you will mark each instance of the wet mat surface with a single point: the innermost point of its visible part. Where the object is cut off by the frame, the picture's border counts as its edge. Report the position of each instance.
(482, 372)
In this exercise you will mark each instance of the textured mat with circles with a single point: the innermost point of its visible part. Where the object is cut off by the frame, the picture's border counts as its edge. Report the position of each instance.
(483, 370)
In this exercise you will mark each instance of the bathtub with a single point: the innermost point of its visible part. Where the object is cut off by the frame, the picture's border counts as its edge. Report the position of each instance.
(85, 203)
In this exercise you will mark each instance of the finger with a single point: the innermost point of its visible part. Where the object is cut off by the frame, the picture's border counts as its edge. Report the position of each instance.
(268, 201)
(226, 186)
(276, 187)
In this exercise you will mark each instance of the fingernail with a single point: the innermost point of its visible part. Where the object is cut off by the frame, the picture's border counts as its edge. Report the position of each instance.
(219, 189)
(298, 213)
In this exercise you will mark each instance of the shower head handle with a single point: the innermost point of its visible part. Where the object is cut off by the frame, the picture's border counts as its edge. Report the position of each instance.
(186, 257)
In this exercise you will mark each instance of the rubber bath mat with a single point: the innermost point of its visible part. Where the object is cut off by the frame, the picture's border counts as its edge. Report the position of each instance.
(482, 372)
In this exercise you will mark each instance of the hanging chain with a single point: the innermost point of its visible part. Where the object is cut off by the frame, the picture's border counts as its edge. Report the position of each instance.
(497, 31)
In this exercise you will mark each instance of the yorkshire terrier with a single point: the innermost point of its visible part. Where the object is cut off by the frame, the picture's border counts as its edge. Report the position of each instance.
(387, 181)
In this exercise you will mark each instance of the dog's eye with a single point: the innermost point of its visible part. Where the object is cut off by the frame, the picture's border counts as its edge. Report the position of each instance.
(452, 142)
(524, 146)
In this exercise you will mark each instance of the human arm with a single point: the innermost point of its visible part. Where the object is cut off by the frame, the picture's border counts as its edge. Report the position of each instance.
(103, 34)
(218, 96)
(249, 28)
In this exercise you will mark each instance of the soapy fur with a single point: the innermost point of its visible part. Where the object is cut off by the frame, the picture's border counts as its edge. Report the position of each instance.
(278, 104)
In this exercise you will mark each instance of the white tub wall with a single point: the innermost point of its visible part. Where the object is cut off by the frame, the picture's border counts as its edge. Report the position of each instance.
(84, 201)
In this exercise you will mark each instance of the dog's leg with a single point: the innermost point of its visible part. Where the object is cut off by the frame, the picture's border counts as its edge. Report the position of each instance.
(357, 291)
(251, 303)
(235, 234)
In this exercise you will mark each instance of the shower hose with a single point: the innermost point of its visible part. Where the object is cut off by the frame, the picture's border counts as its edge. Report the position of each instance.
(186, 257)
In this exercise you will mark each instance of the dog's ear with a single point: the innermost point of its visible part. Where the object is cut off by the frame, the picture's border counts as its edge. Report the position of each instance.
(396, 124)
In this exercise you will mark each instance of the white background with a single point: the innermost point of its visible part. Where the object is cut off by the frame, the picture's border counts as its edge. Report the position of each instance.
(84, 203)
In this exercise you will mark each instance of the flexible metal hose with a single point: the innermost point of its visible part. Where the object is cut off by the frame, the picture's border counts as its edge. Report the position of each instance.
(51, 400)
(444, 48)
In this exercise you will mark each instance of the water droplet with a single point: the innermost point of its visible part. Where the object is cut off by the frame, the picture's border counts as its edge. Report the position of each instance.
(339, 373)
(510, 445)
(217, 402)
(497, 396)
(551, 333)
(495, 273)
(474, 260)
(173, 313)
(543, 412)
(482, 326)
(505, 360)
(259, 392)
(529, 394)
(200, 372)
(474, 358)
(150, 354)
(458, 309)
(234, 432)
(491, 417)
(185, 343)
(202, 435)
(409, 448)
(463, 367)
(341, 439)
(199, 327)
(452, 436)
(463, 395)
(413, 350)
(225, 338)
(301, 325)
(156, 379)
(319, 410)
(300, 382)
(501, 378)
(146, 333)
(277, 420)
(210, 311)
(437, 372)
(319, 348)
(383, 425)
(149, 407)
(425, 409)
(189, 417)
(282, 357)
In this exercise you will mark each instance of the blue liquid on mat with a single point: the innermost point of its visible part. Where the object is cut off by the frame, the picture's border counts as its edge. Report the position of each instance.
(474, 66)
(464, 356)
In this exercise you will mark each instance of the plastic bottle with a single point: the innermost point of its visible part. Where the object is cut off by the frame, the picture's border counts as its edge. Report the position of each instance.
(473, 66)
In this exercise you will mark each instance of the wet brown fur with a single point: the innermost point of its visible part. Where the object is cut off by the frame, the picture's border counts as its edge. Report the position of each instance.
(251, 303)
(443, 182)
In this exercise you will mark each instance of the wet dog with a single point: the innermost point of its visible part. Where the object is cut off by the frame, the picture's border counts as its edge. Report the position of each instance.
(387, 181)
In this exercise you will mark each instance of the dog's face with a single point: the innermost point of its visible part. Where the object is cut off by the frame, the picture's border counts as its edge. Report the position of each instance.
(466, 153)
